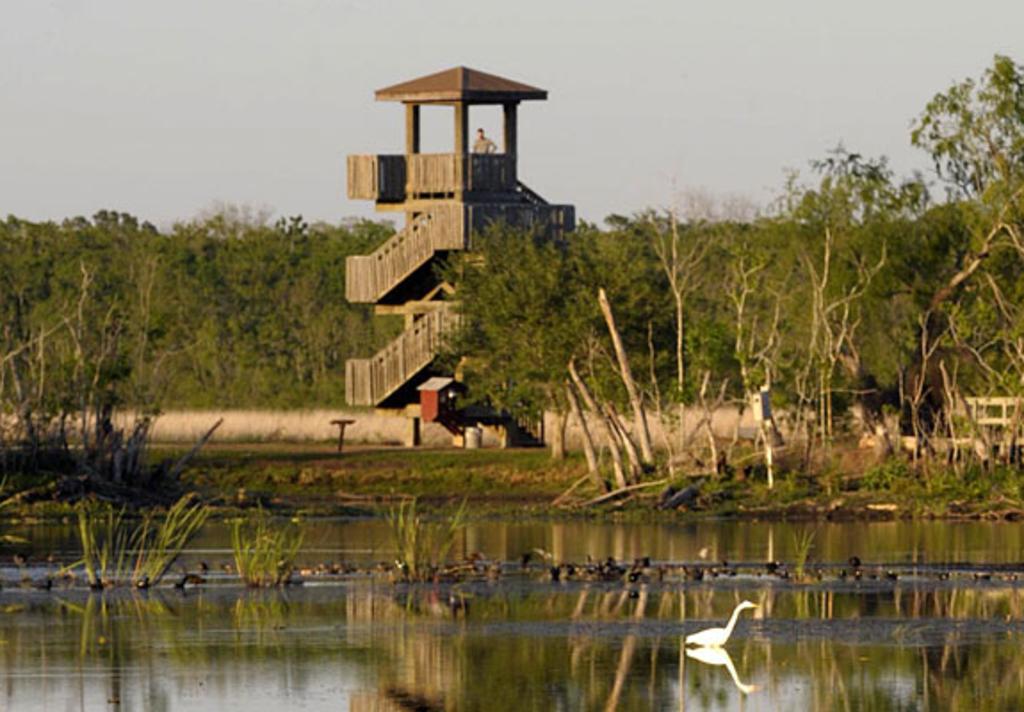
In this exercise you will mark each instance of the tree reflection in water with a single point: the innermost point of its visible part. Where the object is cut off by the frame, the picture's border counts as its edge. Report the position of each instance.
(371, 646)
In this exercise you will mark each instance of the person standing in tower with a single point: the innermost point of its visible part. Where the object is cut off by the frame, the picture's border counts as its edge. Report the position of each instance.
(483, 144)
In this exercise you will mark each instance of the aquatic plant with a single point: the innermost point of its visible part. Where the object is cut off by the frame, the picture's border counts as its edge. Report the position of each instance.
(264, 552)
(422, 547)
(158, 544)
(116, 552)
(105, 540)
(802, 545)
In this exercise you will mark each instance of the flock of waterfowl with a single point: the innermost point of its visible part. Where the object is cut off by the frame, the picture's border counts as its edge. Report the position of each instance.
(538, 565)
(539, 568)
(643, 570)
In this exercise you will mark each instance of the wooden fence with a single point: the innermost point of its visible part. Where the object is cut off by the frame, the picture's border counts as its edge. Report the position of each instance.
(997, 412)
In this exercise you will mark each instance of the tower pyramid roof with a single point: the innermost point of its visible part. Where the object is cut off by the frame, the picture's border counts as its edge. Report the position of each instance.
(460, 84)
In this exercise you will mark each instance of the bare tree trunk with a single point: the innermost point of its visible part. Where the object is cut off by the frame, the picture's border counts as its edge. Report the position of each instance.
(622, 435)
(682, 270)
(588, 442)
(707, 417)
(613, 445)
(680, 374)
(642, 434)
(706, 423)
(558, 436)
(659, 415)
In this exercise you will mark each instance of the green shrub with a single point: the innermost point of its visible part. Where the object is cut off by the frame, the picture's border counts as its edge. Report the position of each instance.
(886, 476)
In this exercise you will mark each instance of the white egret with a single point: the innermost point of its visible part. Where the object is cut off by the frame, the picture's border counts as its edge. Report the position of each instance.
(717, 637)
(718, 656)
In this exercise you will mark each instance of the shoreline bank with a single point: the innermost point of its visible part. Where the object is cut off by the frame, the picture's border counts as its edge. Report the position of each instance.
(313, 479)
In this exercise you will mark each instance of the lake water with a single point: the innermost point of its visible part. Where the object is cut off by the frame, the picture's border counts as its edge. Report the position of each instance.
(946, 633)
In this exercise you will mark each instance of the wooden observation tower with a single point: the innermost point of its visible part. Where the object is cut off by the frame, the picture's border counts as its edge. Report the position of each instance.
(446, 198)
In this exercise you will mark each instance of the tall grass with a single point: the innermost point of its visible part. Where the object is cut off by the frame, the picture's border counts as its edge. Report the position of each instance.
(158, 544)
(115, 552)
(285, 425)
(288, 425)
(422, 547)
(105, 539)
(265, 552)
(803, 543)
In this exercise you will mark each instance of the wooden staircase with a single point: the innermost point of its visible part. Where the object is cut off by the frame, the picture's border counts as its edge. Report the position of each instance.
(369, 278)
(373, 381)
(373, 278)
(383, 277)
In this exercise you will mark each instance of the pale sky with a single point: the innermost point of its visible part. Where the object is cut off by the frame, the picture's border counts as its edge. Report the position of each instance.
(163, 109)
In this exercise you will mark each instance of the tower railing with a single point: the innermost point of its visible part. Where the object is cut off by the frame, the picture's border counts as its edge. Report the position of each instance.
(376, 178)
(396, 178)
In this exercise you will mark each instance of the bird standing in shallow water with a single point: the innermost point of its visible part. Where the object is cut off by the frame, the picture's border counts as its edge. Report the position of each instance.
(717, 637)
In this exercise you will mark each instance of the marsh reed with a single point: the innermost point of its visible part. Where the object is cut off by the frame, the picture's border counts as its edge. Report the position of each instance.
(422, 547)
(115, 551)
(264, 551)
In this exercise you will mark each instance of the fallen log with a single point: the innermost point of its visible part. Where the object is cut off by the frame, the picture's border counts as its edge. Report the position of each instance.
(672, 498)
(560, 498)
(33, 494)
(623, 490)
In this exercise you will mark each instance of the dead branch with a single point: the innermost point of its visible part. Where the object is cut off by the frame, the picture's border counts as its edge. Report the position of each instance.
(623, 490)
(643, 433)
(588, 442)
(175, 472)
(613, 445)
(557, 501)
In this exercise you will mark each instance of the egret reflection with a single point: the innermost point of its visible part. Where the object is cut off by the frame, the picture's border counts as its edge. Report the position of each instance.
(719, 656)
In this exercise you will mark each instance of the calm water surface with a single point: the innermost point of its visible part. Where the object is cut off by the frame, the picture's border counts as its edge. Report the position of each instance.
(524, 642)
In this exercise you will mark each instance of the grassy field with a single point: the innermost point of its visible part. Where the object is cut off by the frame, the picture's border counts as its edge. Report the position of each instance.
(316, 476)
(313, 478)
